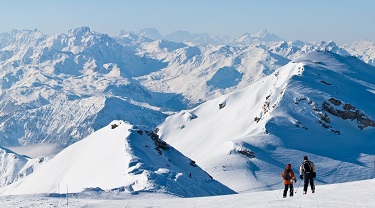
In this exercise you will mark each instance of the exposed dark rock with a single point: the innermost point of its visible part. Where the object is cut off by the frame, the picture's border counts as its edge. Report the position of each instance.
(193, 116)
(246, 152)
(366, 122)
(349, 112)
(327, 107)
(113, 126)
(257, 119)
(324, 82)
(335, 101)
(159, 144)
(192, 163)
(266, 106)
(222, 105)
(41, 159)
(335, 131)
(348, 107)
(324, 117)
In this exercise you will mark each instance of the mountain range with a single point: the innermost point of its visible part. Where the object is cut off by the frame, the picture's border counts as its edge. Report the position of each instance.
(242, 107)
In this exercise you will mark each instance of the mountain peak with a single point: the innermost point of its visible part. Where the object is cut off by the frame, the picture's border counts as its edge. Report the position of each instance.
(79, 31)
(151, 33)
(263, 38)
(262, 33)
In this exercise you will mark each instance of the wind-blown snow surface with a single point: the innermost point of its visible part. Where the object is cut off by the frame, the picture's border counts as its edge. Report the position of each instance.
(319, 105)
(122, 158)
(353, 194)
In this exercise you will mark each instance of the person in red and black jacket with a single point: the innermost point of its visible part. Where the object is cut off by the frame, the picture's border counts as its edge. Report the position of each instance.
(289, 177)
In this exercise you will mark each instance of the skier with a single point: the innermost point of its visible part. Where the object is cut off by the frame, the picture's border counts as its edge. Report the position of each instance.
(289, 177)
(307, 171)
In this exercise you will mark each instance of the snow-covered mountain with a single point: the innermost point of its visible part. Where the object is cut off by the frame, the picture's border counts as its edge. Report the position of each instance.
(14, 167)
(151, 33)
(364, 50)
(266, 102)
(320, 105)
(181, 36)
(261, 38)
(214, 70)
(211, 71)
(195, 38)
(294, 49)
(60, 88)
(120, 157)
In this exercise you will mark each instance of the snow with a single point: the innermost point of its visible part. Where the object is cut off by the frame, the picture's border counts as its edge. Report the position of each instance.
(119, 156)
(364, 50)
(280, 119)
(269, 103)
(74, 163)
(71, 77)
(33, 151)
(351, 194)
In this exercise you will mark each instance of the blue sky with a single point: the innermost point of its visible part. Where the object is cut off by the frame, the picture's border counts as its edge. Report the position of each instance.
(339, 20)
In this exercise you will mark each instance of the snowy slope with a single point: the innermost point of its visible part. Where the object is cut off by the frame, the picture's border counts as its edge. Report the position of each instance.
(320, 105)
(14, 167)
(10, 165)
(119, 157)
(348, 195)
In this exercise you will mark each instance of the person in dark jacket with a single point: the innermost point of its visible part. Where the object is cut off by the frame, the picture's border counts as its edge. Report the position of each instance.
(289, 177)
(307, 172)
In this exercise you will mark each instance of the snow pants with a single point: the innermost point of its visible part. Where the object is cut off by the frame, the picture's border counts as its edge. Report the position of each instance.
(286, 189)
(308, 178)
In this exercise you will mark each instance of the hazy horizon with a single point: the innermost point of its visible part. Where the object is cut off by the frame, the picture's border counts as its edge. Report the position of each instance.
(343, 21)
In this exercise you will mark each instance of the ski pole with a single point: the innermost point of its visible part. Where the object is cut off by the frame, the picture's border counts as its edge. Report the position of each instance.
(298, 186)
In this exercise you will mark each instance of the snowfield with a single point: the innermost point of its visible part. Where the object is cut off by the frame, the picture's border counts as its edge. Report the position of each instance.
(351, 194)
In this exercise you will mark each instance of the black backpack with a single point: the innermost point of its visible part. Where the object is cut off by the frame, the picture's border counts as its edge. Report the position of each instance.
(287, 175)
(307, 167)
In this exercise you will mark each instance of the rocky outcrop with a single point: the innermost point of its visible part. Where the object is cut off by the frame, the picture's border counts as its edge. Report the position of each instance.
(347, 111)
